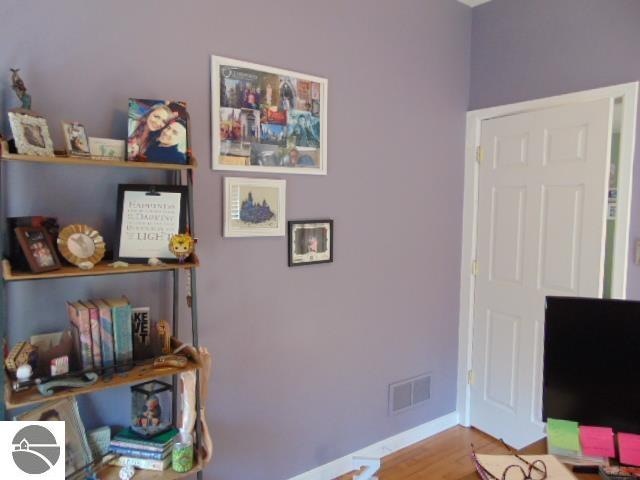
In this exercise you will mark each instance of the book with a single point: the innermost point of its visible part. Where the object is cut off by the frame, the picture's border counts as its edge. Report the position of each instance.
(140, 453)
(94, 322)
(141, 327)
(81, 330)
(496, 465)
(122, 340)
(143, 463)
(128, 438)
(106, 333)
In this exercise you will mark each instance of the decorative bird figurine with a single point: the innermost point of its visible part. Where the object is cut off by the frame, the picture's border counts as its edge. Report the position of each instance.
(181, 245)
(18, 86)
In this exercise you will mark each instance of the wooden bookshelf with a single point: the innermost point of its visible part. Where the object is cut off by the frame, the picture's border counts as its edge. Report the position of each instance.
(101, 268)
(109, 472)
(91, 161)
(137, 374)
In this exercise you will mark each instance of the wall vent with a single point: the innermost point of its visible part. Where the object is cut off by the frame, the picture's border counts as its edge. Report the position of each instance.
(409, 393)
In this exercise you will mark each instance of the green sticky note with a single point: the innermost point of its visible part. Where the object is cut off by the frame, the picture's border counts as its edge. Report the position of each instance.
(563, 434)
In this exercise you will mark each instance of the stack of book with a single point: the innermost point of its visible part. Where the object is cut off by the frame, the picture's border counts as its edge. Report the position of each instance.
(146, 453)
(109, 333)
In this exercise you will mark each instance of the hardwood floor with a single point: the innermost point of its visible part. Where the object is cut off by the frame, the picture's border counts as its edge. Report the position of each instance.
(445, 456)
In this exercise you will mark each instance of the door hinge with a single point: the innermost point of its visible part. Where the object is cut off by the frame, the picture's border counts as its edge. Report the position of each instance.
(470, 378)
(474, 268)
(479, 154)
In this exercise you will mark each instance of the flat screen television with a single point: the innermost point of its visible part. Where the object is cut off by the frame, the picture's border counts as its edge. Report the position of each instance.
(592, 362)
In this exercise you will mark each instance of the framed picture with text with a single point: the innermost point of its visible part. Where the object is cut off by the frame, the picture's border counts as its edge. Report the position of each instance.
(267, 119)
(148, 215)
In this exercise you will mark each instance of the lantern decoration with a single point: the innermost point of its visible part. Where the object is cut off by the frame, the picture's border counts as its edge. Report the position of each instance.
(151, 408)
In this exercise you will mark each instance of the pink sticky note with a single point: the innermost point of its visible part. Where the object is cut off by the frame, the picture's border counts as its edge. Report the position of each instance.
(597, 441)
(629, 447)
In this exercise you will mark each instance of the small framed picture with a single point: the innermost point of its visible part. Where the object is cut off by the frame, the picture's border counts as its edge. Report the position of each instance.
(254, 207)
(76, 447)
(31, 133)
(37, 248)
(158, 131)
(148, 216)
(76, 140)
(107, 148)
(310, 241)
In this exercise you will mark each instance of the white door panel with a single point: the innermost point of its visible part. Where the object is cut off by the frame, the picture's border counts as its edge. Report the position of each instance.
(542, 195)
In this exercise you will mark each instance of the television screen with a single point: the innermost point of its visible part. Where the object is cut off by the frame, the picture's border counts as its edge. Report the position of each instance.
(591, 362)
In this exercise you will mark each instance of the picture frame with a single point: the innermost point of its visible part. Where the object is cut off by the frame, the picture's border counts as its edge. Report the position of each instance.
(147, 217)
(107, 149)
(310, 242)
(81, 245)
(38, 248)
(254, 207)
(77, 451)
(158, 132)
(267, 119)
(76, 139)
(30, 133)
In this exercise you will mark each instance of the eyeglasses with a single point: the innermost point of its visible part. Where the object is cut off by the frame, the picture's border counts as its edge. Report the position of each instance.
(536, 470)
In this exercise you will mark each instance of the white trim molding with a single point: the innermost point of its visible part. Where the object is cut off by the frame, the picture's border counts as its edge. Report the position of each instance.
(473, 3)
(380, 449)
(628, 92)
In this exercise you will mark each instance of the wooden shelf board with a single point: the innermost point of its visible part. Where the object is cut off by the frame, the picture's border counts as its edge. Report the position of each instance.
(138, 374)
(109, 472)
(101, 268)
(97, 162)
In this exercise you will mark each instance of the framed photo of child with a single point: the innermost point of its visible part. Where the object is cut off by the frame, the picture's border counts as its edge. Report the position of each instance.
(37, 248)
(75, 139)
(158, 131)
(30, 133)
(310, 241)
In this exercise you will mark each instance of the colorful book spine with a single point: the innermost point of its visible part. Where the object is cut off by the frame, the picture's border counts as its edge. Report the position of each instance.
(122, 340)
(96, 343)
(141, 327)
(135, 453)
(138, 446)
(106, 333)
(79, 317)
(143, 463)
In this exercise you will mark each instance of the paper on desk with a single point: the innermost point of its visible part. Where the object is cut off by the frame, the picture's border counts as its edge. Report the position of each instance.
(496, 464)
(597, 441)
(563, 434)
(629, 448)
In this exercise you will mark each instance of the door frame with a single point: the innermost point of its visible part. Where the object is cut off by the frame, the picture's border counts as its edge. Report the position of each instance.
(629, 94)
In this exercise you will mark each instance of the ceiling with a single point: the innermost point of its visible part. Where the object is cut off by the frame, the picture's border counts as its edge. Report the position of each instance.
(474, 3)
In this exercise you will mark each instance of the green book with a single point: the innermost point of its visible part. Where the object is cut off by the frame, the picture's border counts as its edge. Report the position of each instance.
(129, 436)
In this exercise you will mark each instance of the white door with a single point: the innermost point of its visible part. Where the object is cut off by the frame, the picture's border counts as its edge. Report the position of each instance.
(541, 230)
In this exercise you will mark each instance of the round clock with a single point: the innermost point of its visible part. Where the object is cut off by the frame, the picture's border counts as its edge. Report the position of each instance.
(81, 245)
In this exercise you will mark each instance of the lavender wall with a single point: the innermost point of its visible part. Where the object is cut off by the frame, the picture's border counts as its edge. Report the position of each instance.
(303, 356)
(523, 50)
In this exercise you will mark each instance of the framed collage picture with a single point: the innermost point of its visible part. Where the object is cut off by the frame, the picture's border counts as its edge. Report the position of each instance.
(266, 119)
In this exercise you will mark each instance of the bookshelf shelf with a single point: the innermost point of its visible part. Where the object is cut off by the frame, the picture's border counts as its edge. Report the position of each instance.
(138, 374)
(101, 268)
(95, 162)
(109, 472)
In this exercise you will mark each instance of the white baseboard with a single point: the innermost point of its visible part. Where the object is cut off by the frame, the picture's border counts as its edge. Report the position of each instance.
(380, 449)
